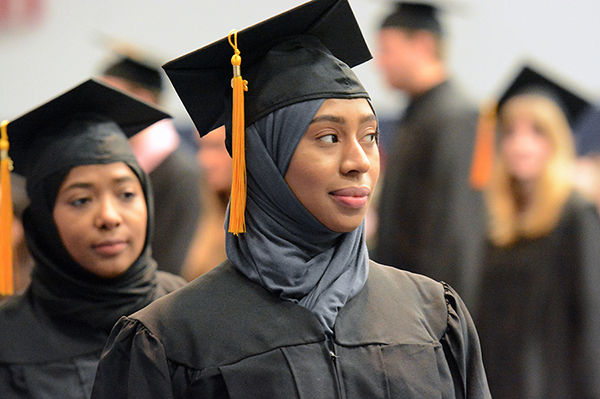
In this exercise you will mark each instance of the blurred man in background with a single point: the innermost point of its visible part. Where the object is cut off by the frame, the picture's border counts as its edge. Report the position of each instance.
(429, 218)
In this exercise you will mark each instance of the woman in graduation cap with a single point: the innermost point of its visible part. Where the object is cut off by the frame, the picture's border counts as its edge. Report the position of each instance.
(538, 312)
(297, 310)
(87, 226)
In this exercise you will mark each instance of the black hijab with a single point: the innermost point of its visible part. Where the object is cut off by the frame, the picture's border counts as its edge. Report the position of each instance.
(67, 310)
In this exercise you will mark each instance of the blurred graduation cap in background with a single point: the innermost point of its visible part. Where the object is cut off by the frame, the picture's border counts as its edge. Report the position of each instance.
(133, 64)
(303, 54)
(87, 124)
(415, 15)
(529, 80)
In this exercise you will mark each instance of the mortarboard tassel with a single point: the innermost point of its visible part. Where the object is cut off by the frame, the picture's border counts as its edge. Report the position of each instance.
(237, 222)
(6, 216)
(483, 153)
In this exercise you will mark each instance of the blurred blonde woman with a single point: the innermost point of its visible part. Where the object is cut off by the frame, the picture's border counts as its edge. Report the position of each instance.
(537, 309)
(533, 173)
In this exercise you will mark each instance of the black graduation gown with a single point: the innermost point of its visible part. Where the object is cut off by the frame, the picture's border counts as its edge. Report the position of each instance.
(430, 220)
(177, 206)
(538, 314)
(61, 358)
(222, 336)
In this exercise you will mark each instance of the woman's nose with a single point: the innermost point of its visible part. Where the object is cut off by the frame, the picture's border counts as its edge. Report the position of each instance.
(355, 159)
(108, 215)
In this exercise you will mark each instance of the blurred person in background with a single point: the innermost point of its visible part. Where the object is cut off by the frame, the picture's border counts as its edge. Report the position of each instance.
(208, 247)
(430, 220)
(538, 306)
(173, 172)
(587, 167)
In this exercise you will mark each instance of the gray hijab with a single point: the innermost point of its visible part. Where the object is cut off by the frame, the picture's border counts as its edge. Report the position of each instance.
(286, 249)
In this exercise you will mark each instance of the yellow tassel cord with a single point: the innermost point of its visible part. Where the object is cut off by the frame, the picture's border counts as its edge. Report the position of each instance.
(483, 153)
(6, 216)
(237, 223)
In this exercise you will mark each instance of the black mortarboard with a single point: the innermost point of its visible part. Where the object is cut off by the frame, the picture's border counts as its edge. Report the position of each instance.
(527, 81)
(45, 123)
(303, 54)
(137, 71)
(530, 80)
(279, 77)
(132, 63)
(413, 15)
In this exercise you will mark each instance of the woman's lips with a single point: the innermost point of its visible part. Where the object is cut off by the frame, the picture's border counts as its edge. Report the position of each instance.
(352, 197)
(110, 248)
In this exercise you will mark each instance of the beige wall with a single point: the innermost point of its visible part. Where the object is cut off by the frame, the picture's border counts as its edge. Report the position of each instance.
(488, 37)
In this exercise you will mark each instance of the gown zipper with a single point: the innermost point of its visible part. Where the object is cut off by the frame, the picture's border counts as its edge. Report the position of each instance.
(336, 367)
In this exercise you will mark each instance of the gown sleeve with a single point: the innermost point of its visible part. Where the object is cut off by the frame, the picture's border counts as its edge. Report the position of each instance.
(588, 295)
(133, 365)
(462, 350)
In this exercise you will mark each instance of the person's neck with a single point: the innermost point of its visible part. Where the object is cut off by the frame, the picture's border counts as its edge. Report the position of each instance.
(523, 194)
(429, 76)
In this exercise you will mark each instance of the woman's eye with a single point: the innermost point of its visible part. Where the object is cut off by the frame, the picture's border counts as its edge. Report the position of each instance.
(128, 195)
(330, 138)
(79, 202)
(372, 137)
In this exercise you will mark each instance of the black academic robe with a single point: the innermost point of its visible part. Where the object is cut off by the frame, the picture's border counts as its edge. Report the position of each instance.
(538, 312)
(223, 336)
(430, 221)
(42, 357)
(177, 206)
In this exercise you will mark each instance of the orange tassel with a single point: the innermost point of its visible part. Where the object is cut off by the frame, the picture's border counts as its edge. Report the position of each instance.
(237, 223)
(6, 216)
(483, 153)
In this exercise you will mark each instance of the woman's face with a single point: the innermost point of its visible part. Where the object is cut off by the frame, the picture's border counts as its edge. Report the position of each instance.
(526, 150)
(336, 165)
(101, 216)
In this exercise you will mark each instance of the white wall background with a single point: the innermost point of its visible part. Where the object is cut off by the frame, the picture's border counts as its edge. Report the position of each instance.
(487, 40)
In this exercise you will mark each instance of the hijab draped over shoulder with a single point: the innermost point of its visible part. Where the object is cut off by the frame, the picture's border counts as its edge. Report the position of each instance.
(286, 249)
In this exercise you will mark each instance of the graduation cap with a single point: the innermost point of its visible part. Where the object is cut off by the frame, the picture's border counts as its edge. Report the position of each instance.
(91, 116)
(133, 64)
(414, 15)
(529, 80)
(533, 81)
(45, 124)
(303, 54)
(136, 71)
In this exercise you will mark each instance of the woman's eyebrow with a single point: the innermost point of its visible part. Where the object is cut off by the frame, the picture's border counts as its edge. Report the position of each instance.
(328, 118)
(77, 185)
(368, 118)
(85, 185)
(124, 179)
(341, 119)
